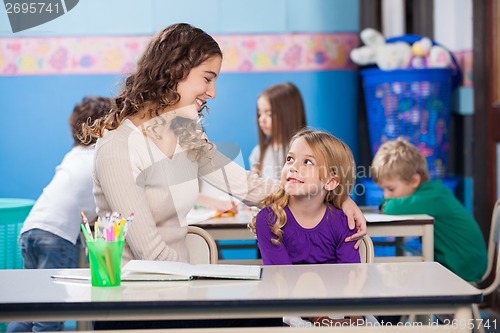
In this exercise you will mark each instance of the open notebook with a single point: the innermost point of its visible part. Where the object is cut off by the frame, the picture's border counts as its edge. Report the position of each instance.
(149, 270)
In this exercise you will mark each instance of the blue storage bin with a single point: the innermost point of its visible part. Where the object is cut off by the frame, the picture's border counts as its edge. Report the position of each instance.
(13, 212)
(414, 104)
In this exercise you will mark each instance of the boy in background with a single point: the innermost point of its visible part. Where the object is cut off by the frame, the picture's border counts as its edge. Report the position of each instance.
(401, 171)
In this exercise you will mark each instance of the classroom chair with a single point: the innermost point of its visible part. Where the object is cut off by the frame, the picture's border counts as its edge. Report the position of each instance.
(366, 250)
(486, 285)
(201, 246)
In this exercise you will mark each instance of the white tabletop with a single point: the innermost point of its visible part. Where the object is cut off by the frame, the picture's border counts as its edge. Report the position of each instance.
(32, 293)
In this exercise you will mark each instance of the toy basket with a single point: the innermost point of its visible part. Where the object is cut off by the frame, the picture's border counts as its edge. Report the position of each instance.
(414, 104)
(13, 212)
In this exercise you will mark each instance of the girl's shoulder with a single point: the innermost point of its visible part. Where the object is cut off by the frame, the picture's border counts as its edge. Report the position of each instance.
(265, 212)
(333, 214)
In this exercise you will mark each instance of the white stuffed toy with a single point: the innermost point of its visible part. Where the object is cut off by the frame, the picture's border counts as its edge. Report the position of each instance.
(399, 55)
(395, 55)
(367, 55)
(439, 57)
(426, 55)
(386, 56)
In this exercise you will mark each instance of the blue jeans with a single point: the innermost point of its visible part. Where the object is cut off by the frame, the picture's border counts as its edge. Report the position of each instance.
(42, 249)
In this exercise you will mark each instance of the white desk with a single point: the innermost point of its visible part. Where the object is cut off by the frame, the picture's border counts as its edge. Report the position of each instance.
(232, 228)
(419, 225)
(299, 290)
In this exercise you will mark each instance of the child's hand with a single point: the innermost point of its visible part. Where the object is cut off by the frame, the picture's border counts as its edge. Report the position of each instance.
(221, 206)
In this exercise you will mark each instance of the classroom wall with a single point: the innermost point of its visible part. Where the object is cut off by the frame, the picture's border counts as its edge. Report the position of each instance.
(37, 96)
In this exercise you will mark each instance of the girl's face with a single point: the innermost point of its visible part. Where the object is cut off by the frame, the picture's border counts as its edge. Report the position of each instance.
(264, 115)
(197, 87)
(301, 174)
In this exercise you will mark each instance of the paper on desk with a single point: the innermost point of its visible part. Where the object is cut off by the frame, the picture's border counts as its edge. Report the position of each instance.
(374, 217)
(196, 215)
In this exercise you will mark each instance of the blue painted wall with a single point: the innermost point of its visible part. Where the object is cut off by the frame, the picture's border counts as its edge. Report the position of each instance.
(35, 109)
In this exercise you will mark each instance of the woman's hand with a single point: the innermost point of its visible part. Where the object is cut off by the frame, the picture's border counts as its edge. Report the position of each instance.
(356, 219)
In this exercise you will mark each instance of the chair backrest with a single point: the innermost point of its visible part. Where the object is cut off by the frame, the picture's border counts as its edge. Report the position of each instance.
(493, 251)
(201, 246)
(366, 250)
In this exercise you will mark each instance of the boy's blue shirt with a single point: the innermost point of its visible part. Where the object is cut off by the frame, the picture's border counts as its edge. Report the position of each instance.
(458, 241)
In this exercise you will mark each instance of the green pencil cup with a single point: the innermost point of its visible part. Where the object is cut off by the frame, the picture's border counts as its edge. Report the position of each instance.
(105, 262)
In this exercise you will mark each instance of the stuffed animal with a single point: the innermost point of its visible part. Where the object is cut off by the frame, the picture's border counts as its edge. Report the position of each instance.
(394, 56)
(367, 55)
(386, 56)
(439, 57)
(420, 52)
(399, 54)
(426, 55)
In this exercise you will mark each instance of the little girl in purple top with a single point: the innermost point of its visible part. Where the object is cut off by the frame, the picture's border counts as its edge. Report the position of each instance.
(303, 223)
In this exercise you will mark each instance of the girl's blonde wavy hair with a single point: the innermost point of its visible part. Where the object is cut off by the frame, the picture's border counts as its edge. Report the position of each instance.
(167, 60)
(334, 158)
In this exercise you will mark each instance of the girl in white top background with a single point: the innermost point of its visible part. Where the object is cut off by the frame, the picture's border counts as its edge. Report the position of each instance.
(280, 114)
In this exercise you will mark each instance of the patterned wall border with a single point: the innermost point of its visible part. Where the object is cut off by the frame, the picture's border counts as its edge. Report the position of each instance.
(117, 55)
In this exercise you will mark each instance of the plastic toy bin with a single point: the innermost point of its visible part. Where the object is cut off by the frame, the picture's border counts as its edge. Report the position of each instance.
(13, 212)
(414, 104)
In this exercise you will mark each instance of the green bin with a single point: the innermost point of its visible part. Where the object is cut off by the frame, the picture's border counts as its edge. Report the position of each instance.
(13, 212)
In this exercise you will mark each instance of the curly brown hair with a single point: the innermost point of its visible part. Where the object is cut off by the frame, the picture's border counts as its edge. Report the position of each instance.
(167, 60)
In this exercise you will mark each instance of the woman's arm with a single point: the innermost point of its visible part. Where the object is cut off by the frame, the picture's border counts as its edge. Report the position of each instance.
(355, 218)
(228, 176)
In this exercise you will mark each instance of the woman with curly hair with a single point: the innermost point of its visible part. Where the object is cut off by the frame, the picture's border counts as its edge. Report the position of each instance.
(152, 149)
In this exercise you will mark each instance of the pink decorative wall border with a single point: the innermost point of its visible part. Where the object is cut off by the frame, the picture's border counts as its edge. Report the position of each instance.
(117, 55)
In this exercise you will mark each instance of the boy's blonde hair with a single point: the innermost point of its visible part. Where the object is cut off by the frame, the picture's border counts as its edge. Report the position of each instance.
(398, 159)
(335, 160)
